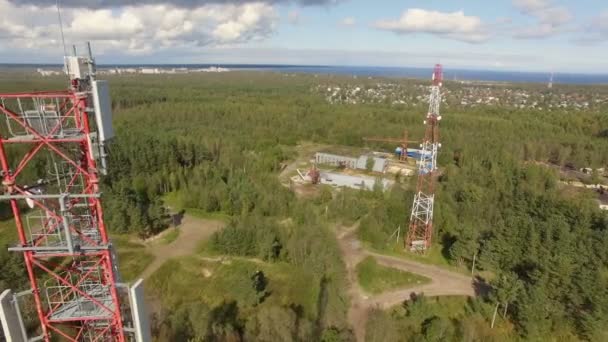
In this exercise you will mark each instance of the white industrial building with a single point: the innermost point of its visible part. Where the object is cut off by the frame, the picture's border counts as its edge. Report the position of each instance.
(380, 164)
(354, 182)
(149, 71)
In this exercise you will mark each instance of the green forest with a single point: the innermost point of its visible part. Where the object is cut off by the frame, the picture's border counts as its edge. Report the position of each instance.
(216, 144)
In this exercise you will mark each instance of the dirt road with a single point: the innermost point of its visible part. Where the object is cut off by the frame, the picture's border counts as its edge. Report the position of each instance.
(192, 231)
(443, 282)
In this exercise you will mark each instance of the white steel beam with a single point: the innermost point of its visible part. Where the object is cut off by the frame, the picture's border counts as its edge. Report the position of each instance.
(10, 317)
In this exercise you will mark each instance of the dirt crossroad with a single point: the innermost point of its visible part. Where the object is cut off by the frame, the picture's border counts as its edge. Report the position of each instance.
(443, 282)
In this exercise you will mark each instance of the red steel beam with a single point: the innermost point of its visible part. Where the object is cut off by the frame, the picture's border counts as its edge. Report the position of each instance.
(85, 168)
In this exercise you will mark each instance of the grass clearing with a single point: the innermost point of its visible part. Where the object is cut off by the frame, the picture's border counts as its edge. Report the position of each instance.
(198, 213)
(132, 263)
(190, 279)
(449, 307)
(375, 278)
(205, 248)
(172, 200)
(132, 257)
(8, 232)
(452, 307)
(433, 256)
(171, 235)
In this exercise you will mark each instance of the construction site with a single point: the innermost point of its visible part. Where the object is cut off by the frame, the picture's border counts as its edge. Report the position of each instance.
(364, 169)
(344, 168)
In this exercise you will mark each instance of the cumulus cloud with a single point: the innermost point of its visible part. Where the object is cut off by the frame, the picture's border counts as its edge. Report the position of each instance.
(138, 29)
(531, 5)
(454, 25)
(96, 4)
(550, 18)
(348, 21)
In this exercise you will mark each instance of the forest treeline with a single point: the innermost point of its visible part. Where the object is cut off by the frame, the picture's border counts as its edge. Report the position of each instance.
(218, 142)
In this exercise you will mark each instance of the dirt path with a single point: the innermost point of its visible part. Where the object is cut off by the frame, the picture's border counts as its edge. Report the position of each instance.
(291, 167)
(192, 231)
(443, 282)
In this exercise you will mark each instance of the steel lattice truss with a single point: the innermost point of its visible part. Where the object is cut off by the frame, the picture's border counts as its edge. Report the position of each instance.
(62, 234)
(420, 230)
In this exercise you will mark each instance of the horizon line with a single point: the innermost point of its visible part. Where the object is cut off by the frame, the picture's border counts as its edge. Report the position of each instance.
(315, 66)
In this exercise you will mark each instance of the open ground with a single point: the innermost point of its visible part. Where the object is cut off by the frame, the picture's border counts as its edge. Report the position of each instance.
(443, 282)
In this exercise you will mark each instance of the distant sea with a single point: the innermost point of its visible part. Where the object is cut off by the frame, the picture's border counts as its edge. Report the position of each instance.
(449, 74)
(402, 72)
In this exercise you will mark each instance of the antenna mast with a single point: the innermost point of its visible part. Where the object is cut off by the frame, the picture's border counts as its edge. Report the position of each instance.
(418, 238)
(65, 51)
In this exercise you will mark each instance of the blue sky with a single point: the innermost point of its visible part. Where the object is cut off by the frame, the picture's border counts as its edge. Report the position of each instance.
(319, 28)
(542, 35)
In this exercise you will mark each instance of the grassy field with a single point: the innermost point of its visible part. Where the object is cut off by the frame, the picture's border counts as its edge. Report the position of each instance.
(171, 235)
(445, 307)
(198, 213)
(433, 256)
(8, 232)
(195, 279)
(132, 257)
(375, 278)
(171, 200)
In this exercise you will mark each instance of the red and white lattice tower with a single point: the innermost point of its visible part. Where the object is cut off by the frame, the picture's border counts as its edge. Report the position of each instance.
(52, 153)
(418, 238)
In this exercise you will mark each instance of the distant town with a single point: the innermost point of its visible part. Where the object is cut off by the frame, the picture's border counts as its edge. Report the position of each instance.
(467, 94)
(139, 70)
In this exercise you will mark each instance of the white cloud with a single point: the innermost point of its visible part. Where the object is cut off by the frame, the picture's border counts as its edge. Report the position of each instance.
(550, 19)
(97, 4)
(348, 21)
(454, 25)
(531, 5)
(102, 25)
(137, 29)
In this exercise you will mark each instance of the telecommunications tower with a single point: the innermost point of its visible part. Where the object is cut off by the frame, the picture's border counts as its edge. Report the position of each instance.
(418, 238)
(52, 151)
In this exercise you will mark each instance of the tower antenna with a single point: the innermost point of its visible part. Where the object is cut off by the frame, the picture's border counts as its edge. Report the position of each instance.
(418, 238)
(65, 51)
